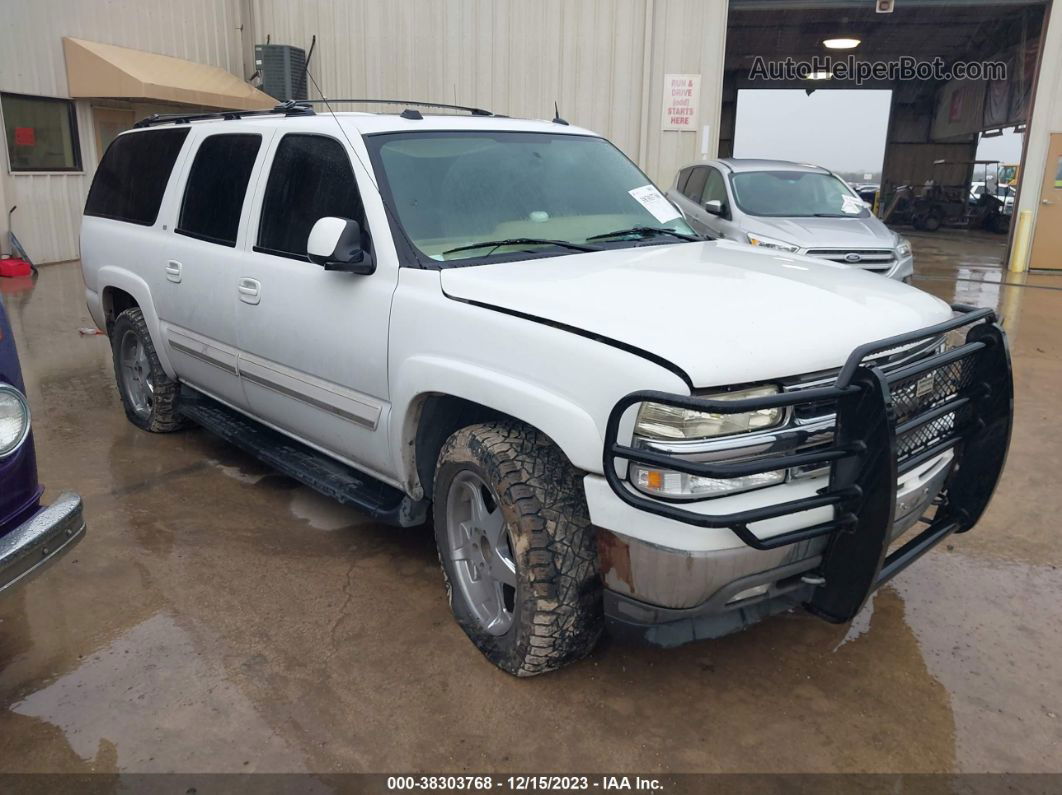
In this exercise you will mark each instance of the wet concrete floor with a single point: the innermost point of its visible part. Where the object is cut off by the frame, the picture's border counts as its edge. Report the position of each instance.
(220, 617)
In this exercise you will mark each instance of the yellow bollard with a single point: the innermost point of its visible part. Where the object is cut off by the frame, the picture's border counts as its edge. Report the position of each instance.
(1019, 252)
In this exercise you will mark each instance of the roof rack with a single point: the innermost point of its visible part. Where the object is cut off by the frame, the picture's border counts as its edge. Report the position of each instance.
(289, 108)
(303, 107)
(407, 102)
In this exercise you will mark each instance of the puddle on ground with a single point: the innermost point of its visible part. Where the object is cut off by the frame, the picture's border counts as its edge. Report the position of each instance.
(324, 513)
(991, 634)
(860, 625)
(234, 472)
(152, 703)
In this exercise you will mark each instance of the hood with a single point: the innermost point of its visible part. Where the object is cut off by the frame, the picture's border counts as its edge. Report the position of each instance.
(807, 233)
(725, 313)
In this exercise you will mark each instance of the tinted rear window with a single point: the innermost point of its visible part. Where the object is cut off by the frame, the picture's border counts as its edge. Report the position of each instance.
(132, 176)
(217, 183)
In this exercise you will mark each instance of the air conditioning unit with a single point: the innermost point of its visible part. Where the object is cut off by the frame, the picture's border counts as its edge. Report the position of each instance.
(283, 70)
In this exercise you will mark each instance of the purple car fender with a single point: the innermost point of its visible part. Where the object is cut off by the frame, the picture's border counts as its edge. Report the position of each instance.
(31, 536)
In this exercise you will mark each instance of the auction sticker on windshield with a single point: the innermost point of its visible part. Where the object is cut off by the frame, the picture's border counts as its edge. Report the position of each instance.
(851, 205)
(655, 202)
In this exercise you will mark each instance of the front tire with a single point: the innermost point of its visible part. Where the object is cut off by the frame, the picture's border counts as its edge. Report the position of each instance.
(149, 396)
(517, 548)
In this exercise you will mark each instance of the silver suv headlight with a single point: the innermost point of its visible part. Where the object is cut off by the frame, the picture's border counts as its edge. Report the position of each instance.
(770, 242)
(14, 419)
(661, 423)
(903, 248)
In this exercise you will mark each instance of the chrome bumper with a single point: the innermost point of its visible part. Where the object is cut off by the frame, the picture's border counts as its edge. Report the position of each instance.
(40, 540)
(680, 579)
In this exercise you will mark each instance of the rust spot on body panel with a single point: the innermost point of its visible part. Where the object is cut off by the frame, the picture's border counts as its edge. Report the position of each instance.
(614, 559)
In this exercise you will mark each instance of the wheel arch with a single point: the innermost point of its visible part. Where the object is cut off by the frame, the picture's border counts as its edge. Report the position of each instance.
(120, 290)
(453, 401)
(115, 300)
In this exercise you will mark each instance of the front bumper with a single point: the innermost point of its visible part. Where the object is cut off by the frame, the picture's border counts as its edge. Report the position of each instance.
(40, 540)
(933, 432)
(903, 270)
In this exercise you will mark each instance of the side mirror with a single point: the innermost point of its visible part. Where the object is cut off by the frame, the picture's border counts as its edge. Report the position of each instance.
(714, 207)
(335, 244)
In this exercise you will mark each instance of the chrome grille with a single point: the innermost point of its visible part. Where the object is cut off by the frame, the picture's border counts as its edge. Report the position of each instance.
(878, 260)
(906, 401)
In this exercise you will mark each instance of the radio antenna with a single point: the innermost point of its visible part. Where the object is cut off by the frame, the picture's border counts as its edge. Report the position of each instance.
(556, 115)
(395, 224)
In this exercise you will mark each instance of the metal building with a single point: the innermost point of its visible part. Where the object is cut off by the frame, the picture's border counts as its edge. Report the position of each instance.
(649, 74)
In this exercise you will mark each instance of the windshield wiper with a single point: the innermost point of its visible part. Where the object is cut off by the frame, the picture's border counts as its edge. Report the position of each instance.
(644, 231)
(521, 241)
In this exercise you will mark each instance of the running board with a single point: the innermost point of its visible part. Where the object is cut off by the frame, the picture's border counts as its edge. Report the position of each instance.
(321, 473)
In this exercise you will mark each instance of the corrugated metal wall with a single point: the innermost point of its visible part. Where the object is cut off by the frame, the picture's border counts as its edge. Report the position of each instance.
(602, 61)
(31, 62)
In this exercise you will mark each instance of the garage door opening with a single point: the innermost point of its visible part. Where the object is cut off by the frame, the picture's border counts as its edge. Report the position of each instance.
(924, 132)
(842, 130)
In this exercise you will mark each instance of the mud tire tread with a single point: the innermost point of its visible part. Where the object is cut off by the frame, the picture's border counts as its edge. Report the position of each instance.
(164, 416)
(559, 613)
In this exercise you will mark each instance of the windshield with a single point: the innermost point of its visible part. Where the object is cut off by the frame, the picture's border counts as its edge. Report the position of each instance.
(517, 194)
(798, 194)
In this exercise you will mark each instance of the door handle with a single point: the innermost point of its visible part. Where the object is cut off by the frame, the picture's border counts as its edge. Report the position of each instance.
(250, 290)
(1046, 201)
(173, 270)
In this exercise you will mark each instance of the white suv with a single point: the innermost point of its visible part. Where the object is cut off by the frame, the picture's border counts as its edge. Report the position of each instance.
(504, 325)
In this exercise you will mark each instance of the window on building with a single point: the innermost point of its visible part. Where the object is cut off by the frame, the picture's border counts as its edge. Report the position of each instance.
(217, 184)
(41, 133)
(310, 178)
(131, 178)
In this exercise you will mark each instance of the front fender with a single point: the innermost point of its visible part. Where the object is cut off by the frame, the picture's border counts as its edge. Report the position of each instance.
(571, 427)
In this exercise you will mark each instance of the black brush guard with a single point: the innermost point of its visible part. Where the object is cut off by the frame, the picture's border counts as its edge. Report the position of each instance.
(888, 423)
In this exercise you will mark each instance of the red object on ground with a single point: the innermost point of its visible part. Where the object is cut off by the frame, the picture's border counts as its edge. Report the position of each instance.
(13, 267)
(20, 285)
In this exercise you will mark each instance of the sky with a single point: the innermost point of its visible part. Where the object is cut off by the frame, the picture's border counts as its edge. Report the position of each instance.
(839, 129)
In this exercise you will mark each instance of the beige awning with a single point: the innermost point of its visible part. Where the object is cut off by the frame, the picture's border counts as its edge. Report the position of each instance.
(105, 70)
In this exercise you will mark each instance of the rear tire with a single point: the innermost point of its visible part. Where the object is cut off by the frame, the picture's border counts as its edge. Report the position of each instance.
(517, 548)
(149, 396)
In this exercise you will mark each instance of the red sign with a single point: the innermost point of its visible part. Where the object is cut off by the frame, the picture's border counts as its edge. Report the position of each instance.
(25, 136)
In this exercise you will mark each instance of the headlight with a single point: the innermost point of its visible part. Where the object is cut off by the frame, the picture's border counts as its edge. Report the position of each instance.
(660, 422)
(767, 242)
(14, 419)
(679, 485)
(903, 248)
(668, 423)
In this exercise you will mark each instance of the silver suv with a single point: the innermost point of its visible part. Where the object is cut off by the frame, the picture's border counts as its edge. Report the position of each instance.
(789, 207)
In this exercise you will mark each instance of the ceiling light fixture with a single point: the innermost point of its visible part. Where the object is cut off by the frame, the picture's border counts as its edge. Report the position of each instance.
(841, 44)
